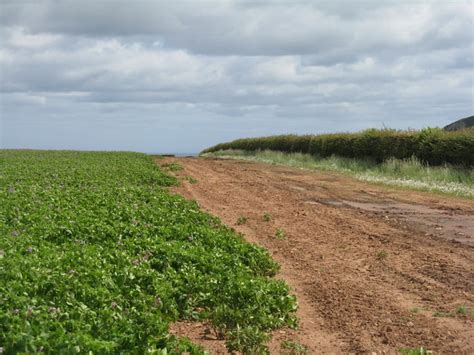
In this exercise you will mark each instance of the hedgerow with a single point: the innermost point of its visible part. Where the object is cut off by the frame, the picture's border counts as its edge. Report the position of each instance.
(96, 255)
(432, 146)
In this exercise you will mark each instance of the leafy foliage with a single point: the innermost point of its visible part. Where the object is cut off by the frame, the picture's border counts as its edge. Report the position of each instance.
(95, 255)
(430, 145)
(293, 348)
(415, 351)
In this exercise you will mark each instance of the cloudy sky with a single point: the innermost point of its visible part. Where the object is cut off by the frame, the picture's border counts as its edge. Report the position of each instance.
(178, 76)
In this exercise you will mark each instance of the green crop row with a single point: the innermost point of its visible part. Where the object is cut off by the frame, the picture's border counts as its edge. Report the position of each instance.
(432, 146)
(96, 256)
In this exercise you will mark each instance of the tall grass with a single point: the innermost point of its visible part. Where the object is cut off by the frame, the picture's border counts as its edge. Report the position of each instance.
(411, 173)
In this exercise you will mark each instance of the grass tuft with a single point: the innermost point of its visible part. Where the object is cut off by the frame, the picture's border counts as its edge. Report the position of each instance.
(409, 173)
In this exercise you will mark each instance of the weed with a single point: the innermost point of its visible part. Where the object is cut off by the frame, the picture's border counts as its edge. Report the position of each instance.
(415, 351)
(416, 310)
(280, 234)
(172, 166)
(382, 255)
(241, 220)
(267, 217)
(440, 314)
(191, 179)
(462, 310)
(293, 348)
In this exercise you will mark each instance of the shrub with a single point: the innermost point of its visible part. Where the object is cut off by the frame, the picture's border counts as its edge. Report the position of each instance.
(431, 145)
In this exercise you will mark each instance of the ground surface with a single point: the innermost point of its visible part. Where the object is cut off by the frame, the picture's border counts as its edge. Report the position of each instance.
(375, 269)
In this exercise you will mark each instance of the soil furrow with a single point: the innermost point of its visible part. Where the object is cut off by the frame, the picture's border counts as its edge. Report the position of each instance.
(375, 269)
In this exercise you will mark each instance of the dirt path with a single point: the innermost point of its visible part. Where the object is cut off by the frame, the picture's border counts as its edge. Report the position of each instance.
(375, 269)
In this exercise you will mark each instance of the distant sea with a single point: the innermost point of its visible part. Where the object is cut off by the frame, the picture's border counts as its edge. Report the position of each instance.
(175, 154)
(186, 154)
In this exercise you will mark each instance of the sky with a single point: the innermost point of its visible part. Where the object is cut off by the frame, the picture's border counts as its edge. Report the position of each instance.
(179, 76)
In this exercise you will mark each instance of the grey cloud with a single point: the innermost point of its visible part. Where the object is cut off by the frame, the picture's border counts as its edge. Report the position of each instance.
(228, 69)
(245, 28)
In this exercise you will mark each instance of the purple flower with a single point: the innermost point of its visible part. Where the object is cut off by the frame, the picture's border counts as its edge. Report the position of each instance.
(11, 189)
(15, 233)
(114, 305)
(29, 250)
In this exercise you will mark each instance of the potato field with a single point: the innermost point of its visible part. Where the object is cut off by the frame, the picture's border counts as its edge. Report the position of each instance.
(96, 255)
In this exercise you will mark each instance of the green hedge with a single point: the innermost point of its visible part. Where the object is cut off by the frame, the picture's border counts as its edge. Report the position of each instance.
(431, 145)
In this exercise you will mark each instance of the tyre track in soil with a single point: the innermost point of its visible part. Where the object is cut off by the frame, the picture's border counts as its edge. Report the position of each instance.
(370, 265)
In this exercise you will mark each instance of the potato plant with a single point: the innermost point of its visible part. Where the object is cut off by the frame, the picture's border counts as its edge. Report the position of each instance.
(96, 256)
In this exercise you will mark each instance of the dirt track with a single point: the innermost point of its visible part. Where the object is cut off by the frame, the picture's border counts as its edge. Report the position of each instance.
(370, 265)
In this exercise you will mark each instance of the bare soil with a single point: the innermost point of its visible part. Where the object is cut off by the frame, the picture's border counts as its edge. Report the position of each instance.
(375, 269)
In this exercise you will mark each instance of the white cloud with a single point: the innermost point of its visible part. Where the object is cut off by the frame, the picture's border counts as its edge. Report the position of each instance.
(20, 38)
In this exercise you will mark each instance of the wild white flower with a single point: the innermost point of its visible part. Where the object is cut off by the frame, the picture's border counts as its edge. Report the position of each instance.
(447, 187)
